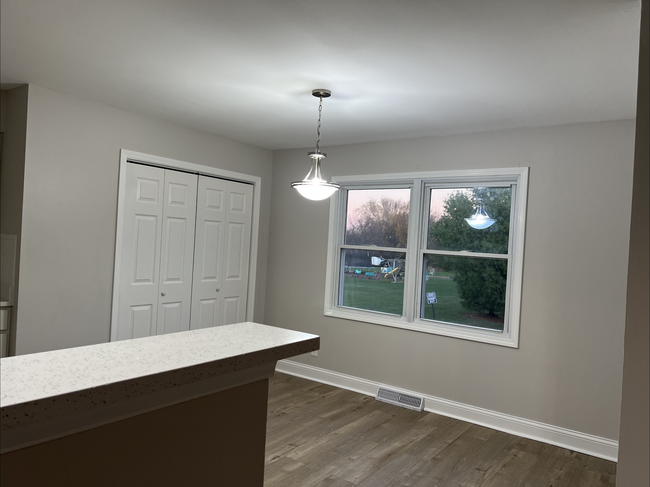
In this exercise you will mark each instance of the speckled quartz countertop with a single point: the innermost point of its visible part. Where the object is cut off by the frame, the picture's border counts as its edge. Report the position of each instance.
(49, 385)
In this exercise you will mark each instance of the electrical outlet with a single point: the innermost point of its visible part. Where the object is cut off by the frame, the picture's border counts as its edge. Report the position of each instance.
(314, 353)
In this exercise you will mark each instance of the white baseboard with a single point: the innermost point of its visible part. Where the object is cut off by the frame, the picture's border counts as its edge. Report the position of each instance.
(554, 435)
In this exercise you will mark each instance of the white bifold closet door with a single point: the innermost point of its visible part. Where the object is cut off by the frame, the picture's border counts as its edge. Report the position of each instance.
(222, 250)
(185, 252)
(157, 252)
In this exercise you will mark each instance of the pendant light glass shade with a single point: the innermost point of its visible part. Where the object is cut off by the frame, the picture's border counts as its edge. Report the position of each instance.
(314, 187)
(480, 219)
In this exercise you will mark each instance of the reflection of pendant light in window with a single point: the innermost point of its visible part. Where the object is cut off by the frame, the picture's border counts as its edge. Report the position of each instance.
(313, 186)
(480, 219)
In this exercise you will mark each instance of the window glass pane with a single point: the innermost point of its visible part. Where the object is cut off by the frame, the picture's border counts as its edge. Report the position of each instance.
(377, 217)
(372, 280)
(488, 210)
(468, 290)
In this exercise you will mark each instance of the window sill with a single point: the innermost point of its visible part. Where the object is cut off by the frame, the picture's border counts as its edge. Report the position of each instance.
(426, 326)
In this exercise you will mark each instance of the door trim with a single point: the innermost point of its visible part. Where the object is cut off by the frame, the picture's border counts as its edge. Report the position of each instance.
(127, 156)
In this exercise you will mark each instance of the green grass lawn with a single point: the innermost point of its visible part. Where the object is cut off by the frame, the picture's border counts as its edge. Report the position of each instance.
(374, 294)
(387, 297)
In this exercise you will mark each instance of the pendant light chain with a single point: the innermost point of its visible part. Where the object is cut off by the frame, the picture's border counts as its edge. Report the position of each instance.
(314, 187)
(320, 110)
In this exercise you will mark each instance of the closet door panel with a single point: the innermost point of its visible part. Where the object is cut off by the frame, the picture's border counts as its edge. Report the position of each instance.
(177, 252)
(141, 236)
(209, 253)
(208, 314)
(141, 323)
(234, 250)
(170, 317)
(237, 253)
(232, 310)
(144, 259)
(175, 262)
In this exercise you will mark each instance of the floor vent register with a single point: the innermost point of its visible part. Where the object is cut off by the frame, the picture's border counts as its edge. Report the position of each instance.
(400, 399)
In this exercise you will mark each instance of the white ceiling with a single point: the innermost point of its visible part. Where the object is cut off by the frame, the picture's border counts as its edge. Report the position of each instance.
(397, 69)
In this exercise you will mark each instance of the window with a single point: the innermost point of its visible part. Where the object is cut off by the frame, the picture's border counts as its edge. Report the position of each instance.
(438, 252)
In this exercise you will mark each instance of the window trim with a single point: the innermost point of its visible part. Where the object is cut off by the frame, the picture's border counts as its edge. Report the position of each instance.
(419, 183)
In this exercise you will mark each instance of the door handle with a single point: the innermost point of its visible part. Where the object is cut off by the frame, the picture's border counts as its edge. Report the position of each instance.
(218, 289)
(163, 294)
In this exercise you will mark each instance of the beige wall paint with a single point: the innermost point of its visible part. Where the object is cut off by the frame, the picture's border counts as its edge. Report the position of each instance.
(567, 371)
(70, 204)
(12, 169)
(633, 466)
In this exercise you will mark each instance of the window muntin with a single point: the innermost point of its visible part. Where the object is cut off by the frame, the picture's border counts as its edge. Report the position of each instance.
(420, 249)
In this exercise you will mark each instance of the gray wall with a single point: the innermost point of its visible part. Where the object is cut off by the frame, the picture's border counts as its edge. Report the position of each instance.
(567, 371)
(633, 466)
(14, 117)
(70, 204)
(14, 126)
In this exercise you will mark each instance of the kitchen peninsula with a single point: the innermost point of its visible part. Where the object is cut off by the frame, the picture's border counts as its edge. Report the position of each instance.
(186, 408)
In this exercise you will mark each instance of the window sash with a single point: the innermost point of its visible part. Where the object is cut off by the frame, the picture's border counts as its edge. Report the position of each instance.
(424, 217)
(423, 250)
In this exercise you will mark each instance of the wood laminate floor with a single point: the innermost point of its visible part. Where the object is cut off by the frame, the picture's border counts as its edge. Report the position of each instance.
(318, 435)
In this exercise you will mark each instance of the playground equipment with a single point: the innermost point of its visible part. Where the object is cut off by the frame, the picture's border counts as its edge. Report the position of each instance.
(391, 271)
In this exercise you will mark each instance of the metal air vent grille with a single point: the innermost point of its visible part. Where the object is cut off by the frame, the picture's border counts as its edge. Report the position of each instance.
(400, 399)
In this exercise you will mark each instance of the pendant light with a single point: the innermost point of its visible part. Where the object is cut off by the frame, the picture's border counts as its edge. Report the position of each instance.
(314, 187)
(480, 219)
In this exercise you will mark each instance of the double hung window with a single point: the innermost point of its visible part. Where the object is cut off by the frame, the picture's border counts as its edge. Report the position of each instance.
(438, 252)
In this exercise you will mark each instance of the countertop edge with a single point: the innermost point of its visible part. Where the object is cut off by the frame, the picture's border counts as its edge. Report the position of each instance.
(19, 414)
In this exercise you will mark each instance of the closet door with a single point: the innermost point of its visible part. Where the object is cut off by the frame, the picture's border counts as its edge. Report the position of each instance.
(239, 214)
(159, 215)
(185, 252)
(222, 253)
(139, 266)
(208, 264)
(177, 252)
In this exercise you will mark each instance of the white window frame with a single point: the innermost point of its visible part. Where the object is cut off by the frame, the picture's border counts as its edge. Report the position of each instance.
(420, 182)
